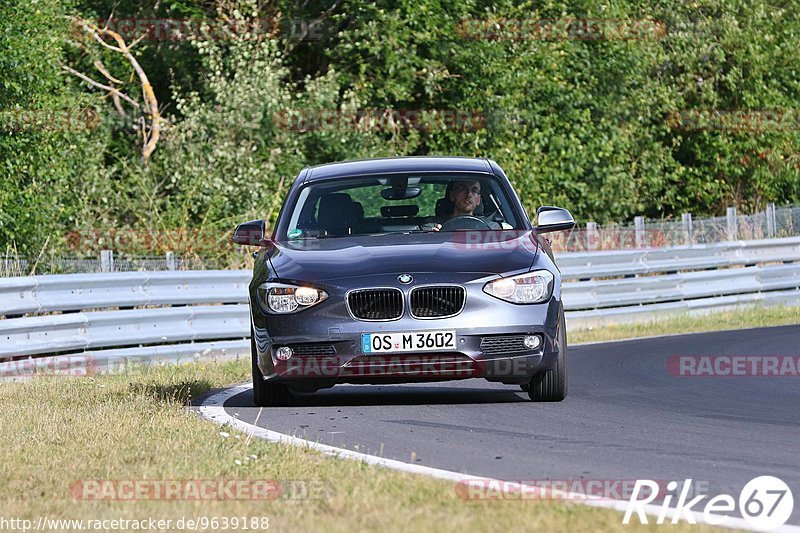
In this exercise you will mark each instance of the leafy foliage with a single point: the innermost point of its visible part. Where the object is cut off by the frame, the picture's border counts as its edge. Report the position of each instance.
(583, 123)
(50, 169)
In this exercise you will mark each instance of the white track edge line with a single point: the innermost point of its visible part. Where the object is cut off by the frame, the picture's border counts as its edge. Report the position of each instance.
(212, 408)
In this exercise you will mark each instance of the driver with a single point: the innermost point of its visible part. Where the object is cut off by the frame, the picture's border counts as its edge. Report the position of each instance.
(465, 197)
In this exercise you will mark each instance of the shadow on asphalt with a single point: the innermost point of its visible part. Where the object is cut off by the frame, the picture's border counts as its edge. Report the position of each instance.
(364, 395)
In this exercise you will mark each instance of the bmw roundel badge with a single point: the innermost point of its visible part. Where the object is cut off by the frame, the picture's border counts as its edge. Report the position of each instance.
(405, 279)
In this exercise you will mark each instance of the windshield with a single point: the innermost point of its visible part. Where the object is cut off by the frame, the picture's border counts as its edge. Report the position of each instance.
(407, 203)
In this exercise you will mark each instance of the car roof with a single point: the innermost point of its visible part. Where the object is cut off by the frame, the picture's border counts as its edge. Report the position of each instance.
(398, 164)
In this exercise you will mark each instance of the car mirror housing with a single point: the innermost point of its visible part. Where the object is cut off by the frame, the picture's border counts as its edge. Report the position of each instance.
(550, 218)
(252, 233)
(398, 193)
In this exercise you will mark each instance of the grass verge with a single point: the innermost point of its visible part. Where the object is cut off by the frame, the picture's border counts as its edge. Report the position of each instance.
(750, 317)
(135, 426)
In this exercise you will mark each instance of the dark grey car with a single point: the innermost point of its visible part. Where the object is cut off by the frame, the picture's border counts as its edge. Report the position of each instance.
(405, 270)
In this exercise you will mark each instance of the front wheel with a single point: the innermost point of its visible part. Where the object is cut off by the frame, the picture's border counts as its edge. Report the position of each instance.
(550, 385)
(267, 394)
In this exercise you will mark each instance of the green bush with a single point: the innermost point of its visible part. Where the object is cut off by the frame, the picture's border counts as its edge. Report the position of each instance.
(49, 168)
(583, 123)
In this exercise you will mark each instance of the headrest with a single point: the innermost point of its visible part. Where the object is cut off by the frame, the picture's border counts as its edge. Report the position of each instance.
(336, 210)
(444, 207)
(357, 209)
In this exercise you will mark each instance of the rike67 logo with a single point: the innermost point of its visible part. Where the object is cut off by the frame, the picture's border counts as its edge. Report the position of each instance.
(765, 503)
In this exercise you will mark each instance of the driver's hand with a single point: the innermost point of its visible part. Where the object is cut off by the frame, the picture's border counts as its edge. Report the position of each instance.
(436, 227)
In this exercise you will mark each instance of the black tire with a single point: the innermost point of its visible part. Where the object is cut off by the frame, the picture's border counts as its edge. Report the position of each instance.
(267, 394)
(551, 385)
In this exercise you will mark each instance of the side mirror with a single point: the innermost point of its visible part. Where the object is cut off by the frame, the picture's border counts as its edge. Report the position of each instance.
(549, 218)
(251, 233)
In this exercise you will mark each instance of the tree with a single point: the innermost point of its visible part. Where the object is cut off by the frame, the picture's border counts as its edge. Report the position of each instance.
(50, 155)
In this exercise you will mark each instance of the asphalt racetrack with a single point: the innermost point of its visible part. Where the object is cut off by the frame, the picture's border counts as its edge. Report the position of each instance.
(626, 417)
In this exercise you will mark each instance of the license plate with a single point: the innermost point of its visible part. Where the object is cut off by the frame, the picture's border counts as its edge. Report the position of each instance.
(415, 341)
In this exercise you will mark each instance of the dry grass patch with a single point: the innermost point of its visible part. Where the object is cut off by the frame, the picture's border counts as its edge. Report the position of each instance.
(746, 318)
(135, 425)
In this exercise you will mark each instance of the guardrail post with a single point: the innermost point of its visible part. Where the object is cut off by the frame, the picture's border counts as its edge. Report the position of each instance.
(170, 260)
(106, 261)
(591, 235)
(733, 224)
(638, 231)
(771, 220)
(686, 219)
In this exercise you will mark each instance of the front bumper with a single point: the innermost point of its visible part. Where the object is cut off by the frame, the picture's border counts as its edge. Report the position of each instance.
(331, 340)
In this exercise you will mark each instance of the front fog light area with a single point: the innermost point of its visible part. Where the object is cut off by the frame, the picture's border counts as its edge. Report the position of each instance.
(283, 299)
(532, 341)
(284, 353)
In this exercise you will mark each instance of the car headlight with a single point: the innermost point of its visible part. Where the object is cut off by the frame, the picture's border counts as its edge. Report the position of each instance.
(530, 288)
(283, 299)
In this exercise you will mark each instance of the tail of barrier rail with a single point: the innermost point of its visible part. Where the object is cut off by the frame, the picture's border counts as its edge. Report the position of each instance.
(602, 288)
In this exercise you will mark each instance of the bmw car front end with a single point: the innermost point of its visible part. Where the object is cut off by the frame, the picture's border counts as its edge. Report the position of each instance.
(374, 275)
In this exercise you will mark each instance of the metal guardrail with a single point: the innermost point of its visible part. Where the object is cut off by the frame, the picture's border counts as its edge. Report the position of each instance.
(100, 321)
(87, 363)
(156, 317)
(107, 329)
(78, 292)
(583, 265)
(684, 286)
(646, 285)
(646, 313)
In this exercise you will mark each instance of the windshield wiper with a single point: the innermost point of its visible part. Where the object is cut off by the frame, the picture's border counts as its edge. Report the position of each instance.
(330, 236)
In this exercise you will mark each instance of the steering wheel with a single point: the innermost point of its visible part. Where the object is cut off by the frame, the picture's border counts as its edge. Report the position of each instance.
(465, 222)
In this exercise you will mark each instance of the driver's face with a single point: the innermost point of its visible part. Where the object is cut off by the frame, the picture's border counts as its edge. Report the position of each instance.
(466, 196)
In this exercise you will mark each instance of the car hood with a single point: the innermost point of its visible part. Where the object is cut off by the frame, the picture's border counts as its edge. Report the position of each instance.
(491, 252)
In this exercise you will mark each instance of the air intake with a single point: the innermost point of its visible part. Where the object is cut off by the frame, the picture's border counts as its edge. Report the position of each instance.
(376, 304)
(437, 302)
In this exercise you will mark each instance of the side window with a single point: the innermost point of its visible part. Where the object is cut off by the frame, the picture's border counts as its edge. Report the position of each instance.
(496, 200)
